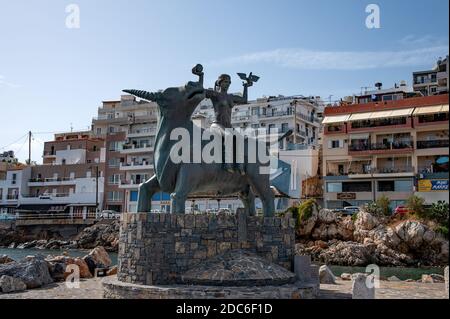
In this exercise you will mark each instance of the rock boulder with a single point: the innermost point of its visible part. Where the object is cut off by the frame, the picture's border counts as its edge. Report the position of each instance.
(10, 284)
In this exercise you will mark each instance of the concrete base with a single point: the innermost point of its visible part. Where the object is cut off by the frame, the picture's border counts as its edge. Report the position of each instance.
(115, 289)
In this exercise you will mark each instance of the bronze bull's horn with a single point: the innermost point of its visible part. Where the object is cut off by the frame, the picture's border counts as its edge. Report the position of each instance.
(142, 94)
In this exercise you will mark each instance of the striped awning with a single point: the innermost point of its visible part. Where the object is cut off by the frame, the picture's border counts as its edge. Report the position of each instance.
(431, 109)
(381, 114)
(336, 119)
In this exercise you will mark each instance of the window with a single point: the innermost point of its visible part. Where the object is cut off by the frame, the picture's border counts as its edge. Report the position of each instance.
(334, 187)
(335, 144)
(114, 179)
(114, 162)
(133, 196)
(404, 186)
(255, 111)
(115, 196)
(386, 186)
(99, 131)
(284, 127)
(271, 128)
(114, 146)
(357, 187)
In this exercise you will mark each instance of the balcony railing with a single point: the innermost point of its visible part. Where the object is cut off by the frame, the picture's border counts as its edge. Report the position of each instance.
(393, 170)
(432, 144)
(143, 131)
(310, 118)
(146, 163)
(439, 117)
(377, 123)
(46, 196)
(335, 128)
(51, 180)
(381, 146)
(12, 197)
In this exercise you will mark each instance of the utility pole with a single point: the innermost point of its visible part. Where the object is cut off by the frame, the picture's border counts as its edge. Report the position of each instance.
(29, 148)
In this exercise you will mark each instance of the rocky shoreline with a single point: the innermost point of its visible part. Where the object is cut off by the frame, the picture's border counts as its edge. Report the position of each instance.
(39, 271)
(366, 239)
(328, 237)
(104, 234)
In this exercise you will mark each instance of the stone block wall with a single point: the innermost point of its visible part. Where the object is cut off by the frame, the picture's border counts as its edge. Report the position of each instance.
(155, 249)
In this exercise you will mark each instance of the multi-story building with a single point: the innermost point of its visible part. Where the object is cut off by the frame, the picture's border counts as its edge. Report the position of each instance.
(300, 151)
(10, 188)
(398, 92)
(295, 113)
(10, 181)
(71, 179)
(129, 128)
(434, 81)
(394, 148)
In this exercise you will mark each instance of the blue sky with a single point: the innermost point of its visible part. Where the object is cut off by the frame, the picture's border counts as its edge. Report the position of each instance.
(52, 77)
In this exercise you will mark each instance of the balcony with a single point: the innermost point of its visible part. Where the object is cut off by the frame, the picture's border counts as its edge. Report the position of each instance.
(103, 119)
(334, 129)
(276, 114)
(128, 184)
(46, 196)
(397, 171)
(12, 197)
(141, 133)
(49, 154)
(132, 149)
(51, 181)
(381, 148)
(379, 124)
(312, 119)
(431, 119)
(432, 144)
(136, 166)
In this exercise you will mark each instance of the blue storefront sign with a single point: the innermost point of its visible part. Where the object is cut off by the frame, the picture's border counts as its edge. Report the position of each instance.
(433, 185)
(439, 185)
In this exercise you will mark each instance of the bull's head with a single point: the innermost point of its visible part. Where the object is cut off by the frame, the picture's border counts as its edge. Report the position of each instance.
(178, 102)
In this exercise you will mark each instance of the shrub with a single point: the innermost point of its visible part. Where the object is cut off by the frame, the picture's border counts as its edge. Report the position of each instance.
(303, 211)
(415, 205)
(383, 204)
(440, 212)
(442, 230)
(373, 209)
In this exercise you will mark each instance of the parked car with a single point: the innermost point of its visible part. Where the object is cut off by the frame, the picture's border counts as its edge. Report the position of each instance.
(351, 210)
(401, 210)
(109, 214)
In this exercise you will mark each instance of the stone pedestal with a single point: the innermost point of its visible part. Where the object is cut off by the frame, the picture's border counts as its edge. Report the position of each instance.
(156, 249)
(446, 279)
(363, 286)
(302, 268)
(115, 289)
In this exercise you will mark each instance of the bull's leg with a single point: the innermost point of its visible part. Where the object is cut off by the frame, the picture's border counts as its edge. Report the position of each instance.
(179, 196)
(146, 192)
(263, 190)
(248, 199)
